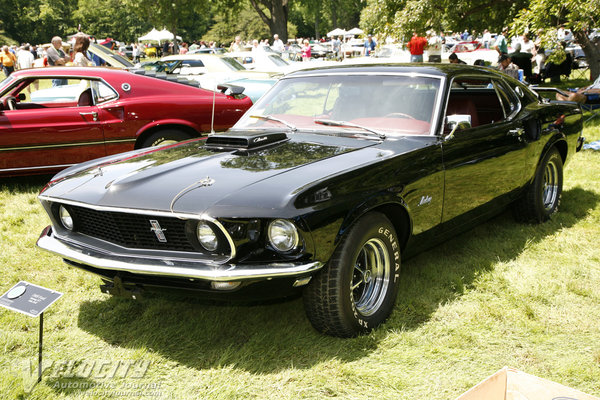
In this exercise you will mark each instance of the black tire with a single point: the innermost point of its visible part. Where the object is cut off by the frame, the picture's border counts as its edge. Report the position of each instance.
(332, 306)
(165, 136)
(542, 197)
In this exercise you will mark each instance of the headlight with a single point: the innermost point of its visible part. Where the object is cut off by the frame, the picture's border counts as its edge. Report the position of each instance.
(283, 235)
(207, 236)
(65, 218)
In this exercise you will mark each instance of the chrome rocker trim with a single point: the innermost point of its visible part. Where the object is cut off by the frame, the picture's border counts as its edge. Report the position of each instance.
(173, 268)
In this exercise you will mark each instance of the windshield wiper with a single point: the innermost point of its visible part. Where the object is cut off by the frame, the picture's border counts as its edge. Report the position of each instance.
(269, 118)
(330, 122)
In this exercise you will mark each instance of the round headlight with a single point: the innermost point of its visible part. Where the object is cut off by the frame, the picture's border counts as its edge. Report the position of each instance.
(207, 236)
(283, 235)
(65, 218)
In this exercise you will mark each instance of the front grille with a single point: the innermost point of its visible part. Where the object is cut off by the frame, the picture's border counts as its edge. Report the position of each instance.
(132, 230)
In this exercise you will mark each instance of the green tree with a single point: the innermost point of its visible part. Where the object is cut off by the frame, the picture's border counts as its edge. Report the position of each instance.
(178, 16)
(109, 18)
(36, 21)
(248, 25)
(577, 15)
(398, 18)
(274, 13)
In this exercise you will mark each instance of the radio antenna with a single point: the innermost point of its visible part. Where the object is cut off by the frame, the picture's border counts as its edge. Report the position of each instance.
(212, 120)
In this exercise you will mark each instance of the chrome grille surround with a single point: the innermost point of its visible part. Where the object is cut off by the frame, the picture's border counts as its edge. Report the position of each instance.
(48, 201)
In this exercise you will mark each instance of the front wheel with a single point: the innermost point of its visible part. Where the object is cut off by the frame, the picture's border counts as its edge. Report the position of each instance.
(164, 137)
(542, 197)
(357, 289)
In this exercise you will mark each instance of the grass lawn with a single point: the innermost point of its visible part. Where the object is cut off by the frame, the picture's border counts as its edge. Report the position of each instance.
(526, 296)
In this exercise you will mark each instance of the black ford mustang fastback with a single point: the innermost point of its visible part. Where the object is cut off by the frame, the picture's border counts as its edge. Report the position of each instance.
(323, 186)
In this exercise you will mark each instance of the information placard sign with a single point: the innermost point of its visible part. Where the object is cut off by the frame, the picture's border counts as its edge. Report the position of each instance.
(29, 299)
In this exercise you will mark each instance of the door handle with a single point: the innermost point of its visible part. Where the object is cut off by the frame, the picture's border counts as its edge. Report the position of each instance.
(516, 132)
(94, 114)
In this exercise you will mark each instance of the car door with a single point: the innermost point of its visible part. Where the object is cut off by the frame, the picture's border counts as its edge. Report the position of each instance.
(485, 164)
(55, 124)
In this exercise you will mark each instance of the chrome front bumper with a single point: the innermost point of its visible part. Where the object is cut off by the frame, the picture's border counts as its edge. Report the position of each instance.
(175, 268)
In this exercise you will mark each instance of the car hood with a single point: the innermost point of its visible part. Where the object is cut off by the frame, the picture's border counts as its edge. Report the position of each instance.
(191, 178)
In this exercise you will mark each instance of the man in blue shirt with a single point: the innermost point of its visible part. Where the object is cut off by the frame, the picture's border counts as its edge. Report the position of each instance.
(369, 45)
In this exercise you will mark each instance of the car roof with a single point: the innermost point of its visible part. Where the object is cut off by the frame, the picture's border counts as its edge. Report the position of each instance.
(195, 56)
(447, 70)
(113, 76)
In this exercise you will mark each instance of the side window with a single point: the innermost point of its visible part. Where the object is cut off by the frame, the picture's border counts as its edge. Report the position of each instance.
(510, 102)
(51, 93)
(103, 92)
(476, 97)
(192, 63)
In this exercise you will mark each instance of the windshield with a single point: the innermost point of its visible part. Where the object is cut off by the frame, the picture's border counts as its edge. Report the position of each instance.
(162, 66)
(277, 60)
(233, 64)
(390, 104)
(109, 56)
(5, 82)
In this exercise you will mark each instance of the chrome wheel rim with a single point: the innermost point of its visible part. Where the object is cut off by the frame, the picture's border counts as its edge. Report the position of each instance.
(370, 277)
(550, 187)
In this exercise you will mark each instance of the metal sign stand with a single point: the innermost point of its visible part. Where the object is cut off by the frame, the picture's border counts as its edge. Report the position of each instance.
(31, 300)
(41, 340)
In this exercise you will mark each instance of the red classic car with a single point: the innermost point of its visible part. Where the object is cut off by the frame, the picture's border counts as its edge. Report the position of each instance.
(51, 118)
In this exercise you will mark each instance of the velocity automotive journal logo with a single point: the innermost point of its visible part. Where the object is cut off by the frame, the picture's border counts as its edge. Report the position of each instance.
(109, 376)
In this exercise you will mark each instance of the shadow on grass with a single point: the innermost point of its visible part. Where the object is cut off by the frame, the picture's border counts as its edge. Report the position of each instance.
(267, 338)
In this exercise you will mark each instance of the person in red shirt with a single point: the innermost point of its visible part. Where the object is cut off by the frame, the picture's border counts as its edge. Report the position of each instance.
(416, 45)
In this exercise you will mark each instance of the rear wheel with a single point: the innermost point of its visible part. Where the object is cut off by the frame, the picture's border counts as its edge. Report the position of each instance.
(356, 291)
(542, 197)
(164, 137)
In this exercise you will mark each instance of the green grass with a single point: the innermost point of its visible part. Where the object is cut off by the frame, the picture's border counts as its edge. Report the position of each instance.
(526, 296)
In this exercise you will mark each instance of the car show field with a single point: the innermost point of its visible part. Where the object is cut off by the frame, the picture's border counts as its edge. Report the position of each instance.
(367, 229)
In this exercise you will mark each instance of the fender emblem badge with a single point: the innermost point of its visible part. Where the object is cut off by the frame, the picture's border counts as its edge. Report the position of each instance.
(424, 200)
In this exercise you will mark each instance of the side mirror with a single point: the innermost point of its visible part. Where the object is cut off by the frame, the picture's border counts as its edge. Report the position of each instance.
(21, 97)
(457, 122)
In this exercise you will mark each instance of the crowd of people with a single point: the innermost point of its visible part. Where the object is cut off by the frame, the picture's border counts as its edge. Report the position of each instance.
(21, 57)
(527, 55)
(520, 52)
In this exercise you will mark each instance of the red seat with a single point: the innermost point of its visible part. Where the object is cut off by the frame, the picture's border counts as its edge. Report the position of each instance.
(461, 105)
(85, 98)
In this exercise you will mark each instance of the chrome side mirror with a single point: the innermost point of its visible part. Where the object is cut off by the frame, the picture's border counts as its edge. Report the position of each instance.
(457, 122)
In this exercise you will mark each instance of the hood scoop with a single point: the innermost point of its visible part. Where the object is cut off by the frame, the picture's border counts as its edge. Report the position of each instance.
(228, 141)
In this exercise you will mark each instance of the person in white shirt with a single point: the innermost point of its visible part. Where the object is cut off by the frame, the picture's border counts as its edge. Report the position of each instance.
(277, 44)
(24, 57)
(434, 47)
(486, 38)
(527, 46)
(255, 46)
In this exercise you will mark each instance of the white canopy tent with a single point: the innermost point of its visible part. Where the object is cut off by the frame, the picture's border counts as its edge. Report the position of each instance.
(336, 32)
(355, 31)
(157, 36)
(168, 35)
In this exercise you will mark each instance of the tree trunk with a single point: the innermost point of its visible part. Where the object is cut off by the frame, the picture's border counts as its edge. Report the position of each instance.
(317, 33)
(334, 17)
(591, 51)
(277, 21)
